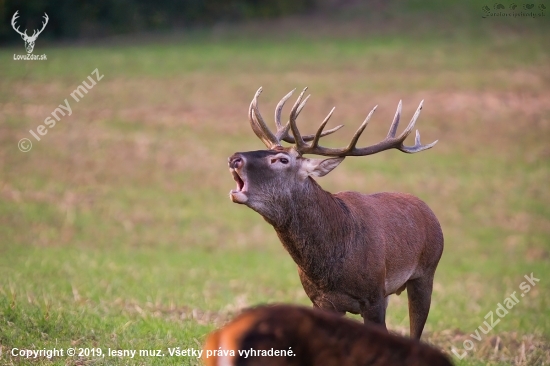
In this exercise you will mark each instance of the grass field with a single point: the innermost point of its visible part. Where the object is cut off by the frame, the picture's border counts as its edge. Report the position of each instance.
(116, 230)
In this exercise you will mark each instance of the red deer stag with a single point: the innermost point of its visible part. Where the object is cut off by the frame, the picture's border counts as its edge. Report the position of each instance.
(285, 335)
(352, 250)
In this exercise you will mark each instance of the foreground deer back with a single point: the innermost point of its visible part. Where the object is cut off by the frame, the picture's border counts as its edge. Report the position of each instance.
(352, 250)
(292, 335)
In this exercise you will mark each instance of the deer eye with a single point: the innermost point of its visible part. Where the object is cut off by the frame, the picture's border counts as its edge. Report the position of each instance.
(283, 160)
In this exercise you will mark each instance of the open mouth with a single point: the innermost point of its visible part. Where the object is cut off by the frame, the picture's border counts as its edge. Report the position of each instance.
(238, 195)
(238, 180)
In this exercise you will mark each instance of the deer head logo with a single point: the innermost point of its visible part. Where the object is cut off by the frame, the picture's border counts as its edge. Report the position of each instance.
(29, 41)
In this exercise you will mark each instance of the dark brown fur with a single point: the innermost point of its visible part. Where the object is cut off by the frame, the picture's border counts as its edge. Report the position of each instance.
(316, 337)
(352, 250)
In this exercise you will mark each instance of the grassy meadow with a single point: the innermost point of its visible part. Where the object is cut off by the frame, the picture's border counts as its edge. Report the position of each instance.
(116, 230)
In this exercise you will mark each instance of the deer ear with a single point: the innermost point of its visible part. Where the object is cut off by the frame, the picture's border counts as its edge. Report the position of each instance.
(319, 167)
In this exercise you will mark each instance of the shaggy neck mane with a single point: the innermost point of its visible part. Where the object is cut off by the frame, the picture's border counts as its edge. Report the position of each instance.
(309, 223)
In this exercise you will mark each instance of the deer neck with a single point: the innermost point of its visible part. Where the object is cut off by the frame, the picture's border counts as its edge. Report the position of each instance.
(312, 216)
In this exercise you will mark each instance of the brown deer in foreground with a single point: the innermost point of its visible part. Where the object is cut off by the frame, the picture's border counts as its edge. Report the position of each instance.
(352, 250)
(313, 337)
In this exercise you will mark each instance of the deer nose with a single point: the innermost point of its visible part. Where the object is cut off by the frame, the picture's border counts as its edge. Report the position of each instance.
(236, 161)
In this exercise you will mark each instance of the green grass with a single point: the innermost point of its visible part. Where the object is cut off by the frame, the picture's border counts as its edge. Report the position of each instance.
(116, 230)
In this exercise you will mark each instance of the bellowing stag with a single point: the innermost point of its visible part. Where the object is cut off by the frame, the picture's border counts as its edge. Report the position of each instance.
(352, 250)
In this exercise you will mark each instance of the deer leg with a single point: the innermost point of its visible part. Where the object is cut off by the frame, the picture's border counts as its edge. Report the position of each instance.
(375, 311)
(419, 292)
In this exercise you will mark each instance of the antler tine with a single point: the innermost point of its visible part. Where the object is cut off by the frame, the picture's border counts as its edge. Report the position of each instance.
(13, 19)
(314, 148)
(395, 123)
(297, 137)
(258, 125)
(302, 105)
(327, 132)
(359, 131)
(263, 132)
(417, 145)
(282, 132)
(410, 127)
(43, 25)
(279, 109)
(306, 138)
(280, 105)
(322, 126)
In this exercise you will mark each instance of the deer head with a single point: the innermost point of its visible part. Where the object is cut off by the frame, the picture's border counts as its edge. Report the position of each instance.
(29, 41)
(280, 173)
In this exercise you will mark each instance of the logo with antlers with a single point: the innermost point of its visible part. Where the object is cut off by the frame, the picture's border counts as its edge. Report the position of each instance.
(29, 41)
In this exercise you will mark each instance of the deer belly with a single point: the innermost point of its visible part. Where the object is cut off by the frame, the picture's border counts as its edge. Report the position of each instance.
(396, 283)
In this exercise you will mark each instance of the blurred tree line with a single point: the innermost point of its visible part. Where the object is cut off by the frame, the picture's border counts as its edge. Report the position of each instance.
(89, 19)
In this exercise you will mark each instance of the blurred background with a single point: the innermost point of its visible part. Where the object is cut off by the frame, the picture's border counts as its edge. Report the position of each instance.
(116, 230)
(97, 19)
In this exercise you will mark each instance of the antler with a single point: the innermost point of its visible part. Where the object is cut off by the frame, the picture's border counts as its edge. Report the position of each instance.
(35, 34)
(274, 140)
(13, 19)
(24, 34)
(390, 142)
(264, 133)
